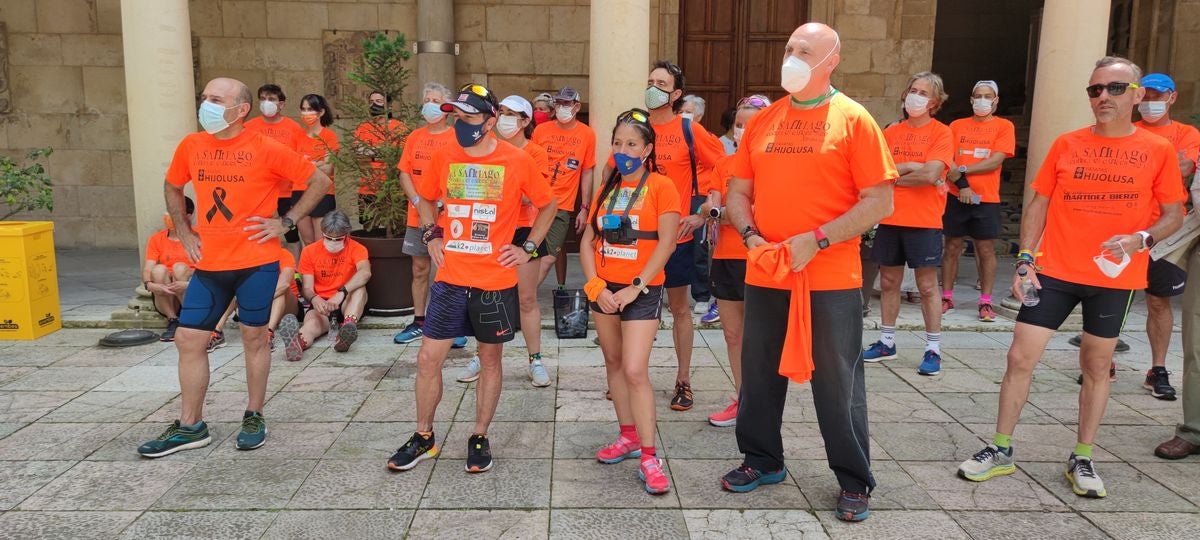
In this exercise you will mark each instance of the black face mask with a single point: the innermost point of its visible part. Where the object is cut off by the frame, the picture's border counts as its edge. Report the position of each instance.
(377, 110)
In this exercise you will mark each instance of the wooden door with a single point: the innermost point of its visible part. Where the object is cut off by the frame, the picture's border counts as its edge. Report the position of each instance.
(733, 48)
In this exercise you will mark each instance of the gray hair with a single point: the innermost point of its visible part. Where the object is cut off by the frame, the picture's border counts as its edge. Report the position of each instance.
(436, 87)
(336, 223)
(939, 88)
(1108, 61)
(697, 102)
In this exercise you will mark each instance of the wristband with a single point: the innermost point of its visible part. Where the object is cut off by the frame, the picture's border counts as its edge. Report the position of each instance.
(593, 288)
(1025, 254)
(962, 183)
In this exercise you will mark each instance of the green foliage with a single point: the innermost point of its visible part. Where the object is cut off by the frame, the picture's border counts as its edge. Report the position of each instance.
(25, 188)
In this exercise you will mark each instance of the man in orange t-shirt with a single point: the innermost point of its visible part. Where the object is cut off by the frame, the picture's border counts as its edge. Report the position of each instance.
(167, 271)
(234, 245)
(1102, 196)
(921, 147)
(571, 151)
(274, 124)
(369, 139)
(481, 181)
(981, 144)
(812, 171)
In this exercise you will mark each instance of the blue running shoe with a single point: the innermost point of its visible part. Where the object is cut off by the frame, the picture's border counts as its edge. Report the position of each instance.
(411, 333)
(931, 364)
(745, 479)
(713, 314)
(460, 342)
(878, 351)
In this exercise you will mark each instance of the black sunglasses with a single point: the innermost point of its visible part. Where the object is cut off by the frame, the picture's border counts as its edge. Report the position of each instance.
(1114, 88)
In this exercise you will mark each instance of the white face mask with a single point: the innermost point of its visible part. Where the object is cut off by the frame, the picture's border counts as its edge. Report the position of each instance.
(981, 106)
(1152, 110)
(915, 104)
(507, 126)
(737, 133)
(268, 108)
(564, 113)
(334, 247)
(1109, 268)
(688, 115)
(796, 73)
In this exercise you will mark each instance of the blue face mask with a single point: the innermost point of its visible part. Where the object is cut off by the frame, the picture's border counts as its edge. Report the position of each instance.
(212, 117)
(627, 164)
(468, 134)
(432, 112)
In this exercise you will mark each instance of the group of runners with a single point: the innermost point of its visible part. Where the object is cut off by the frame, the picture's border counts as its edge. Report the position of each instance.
(783, 203)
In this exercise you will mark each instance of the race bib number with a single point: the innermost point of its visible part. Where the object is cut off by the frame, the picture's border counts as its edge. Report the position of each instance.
(626, 253)
(470, 248)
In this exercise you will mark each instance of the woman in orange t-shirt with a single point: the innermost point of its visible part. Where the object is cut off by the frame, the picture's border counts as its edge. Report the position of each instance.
(318, 146)
(634, 209)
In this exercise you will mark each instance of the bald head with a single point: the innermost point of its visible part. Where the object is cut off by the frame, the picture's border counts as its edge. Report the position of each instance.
(818, 46)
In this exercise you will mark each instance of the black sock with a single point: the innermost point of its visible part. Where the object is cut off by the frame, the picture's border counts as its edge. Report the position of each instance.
(419, 320)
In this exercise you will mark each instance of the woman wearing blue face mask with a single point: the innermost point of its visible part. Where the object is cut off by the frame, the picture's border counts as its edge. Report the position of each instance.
(630, 235)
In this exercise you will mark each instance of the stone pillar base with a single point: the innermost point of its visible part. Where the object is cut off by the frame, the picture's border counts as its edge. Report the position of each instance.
(139, 312)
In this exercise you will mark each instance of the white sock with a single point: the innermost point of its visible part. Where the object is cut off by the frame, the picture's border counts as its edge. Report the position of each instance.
(933, 342)
(887, 336)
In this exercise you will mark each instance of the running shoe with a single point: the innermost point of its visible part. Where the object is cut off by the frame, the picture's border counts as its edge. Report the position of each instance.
(700, 308)
(986, 313)
(1121, 345)
(878, 351)
(347, 334)
(470, 373)
(289, 333)
(682, 401)
(271, 340)
(725, 418)
(176, 438)
(416, 450)
(538, 375)
(254, 431)
(947, 305)
(931, 364)
(479, 454)
(1081, 473)
(619, 451)
(745, 479)
(987, 464)
(411, 333)
(1112, 375)
(1159, 384)
(215, 341)
(169, 334)
(713, 314)
(852, 506)
(460, 342)
(653, 479)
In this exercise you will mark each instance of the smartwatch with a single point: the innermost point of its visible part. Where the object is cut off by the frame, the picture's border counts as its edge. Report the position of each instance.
(288, 223)
(1147, 240)
(715, 212)
(530, 248)
(822, 240)
(640, 285)
(962, 169)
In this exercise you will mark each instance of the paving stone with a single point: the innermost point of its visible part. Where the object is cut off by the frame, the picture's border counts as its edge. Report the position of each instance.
(722, 524)
(1137, 526)
(892, 407)
(109, 357)
(983, 409)
(500, 524)
(336, 379)
(218, 406)
(509, 440)
(581, 440)
(687, 440)
(1128, 489)
(360, 484)
(13, 373)
(698, 482)
(8, 428)
(57, 441)
(533, 405)
(583, 406)
(232, 377)
(97, 406)
(237, 485)
(108, 485)
(124, 446)
(575, 481)
(143, 379)
(881, 379)
(403, 374)
(512, 483)
(950, 380)
(894, 488)
(376, 440)
(1040, 442)
(1027, 525)
(20, 479)
(706, 402)
(366, 353)
(927, 442)
(909, 524)
(39, 355)
(29, 406)
(64, 379)
(314, 406)
(1182, 477)
(1134, 444)
(401, 406)
(217, 359)
(1014, 492)
(1166, 413)
(287, 440)
(64, 524)
(323, 524)
(603, 524)
(166, 525)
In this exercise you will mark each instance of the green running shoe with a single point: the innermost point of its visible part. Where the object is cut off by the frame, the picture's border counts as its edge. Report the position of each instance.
(254, 431)
(176, 438)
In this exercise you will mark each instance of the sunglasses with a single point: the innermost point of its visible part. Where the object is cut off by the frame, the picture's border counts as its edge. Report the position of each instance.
(1114, 88)
(635, 115)
(334, 238)
(476, 89)
(755, 101)
(674, 70)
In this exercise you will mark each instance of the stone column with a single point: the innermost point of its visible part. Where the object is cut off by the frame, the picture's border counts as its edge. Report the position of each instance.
(161, 98)
(619, 59)
(435, 43)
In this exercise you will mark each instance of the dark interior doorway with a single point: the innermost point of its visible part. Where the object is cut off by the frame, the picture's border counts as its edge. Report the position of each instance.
(983, 40)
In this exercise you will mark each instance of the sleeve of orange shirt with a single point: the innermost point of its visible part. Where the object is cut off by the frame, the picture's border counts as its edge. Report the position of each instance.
(178, 173)
(1190, 143)
(589, 149)
(331, 141)
(406, 156)
(943, 149)
(1047, 176)
(666, 198)
(430, 186)
(358, 252)
(285, 162)
(1168, 183)
(1006, 140)
(154, 249)
(739, 163)
(534, 185)
(871, 162)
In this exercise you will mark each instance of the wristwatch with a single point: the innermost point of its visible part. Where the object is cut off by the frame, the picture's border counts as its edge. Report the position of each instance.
(822, 240)
(715, 212)
(530, 248)
(288, 224)
(640, 285)
(430, 232)
(344, 292)
(1147, 240)
(962, 169)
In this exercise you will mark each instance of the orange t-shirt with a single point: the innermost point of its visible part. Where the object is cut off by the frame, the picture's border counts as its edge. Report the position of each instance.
(330, 271)
(316, 149)
(372, 134)
(1100, 187)
(569, 153)
(288, 132)
(482, 197)
(419, 147)
(165, 250)
(975, 141)
(1183, 137)
(729, 240)
(287, 260)
(919, 206)
(671, 152)
(542, 163)
(843, 152)
(234, 179)
(617, 263)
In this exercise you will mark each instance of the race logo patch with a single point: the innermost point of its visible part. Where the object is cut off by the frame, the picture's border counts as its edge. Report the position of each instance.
(458, 210)
(469, 248)
(475, 182)
(456, 229)
(480, 231)
(483, 212)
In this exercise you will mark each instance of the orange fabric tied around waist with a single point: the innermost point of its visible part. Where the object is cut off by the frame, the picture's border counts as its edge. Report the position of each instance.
(775, 260)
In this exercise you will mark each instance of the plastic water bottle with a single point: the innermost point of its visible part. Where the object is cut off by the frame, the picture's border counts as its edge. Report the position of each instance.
(1029, 292)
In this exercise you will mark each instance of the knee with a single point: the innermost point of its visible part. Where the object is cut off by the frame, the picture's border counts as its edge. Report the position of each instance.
(427, 363)
(159, 273)
(358, 295)
(680, 310)
(636, 376)
(1019, 364)
(1157, 305)
(181, 271)
(954, 248)
(420, 267)
(889, 280)
(928, 286)
(528, 302)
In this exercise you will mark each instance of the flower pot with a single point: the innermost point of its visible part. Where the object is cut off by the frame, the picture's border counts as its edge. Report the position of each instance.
(389, 293)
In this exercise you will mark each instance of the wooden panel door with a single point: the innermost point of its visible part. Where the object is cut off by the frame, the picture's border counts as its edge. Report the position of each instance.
(733, 48)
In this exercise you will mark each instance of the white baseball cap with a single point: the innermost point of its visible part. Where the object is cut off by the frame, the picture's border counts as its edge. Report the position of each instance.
(989, 84)
(519, 104)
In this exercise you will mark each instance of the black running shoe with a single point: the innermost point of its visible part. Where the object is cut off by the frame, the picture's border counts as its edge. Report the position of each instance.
(853, 506)
(169, 334)
(479, 454)
(1159, 384)
(1121, 345)
(683, 397)
(416, 450)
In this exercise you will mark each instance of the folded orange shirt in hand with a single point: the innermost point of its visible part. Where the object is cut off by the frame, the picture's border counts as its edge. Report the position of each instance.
(775, 260)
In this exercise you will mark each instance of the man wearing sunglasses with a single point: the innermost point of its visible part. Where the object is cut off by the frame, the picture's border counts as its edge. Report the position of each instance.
(1108, 189)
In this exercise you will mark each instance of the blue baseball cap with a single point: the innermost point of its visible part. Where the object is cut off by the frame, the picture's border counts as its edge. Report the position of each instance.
(1158, 81)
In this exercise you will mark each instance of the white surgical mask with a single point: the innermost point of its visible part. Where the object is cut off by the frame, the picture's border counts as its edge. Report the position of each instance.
(268, 108)
(981, 106)
(737, 134)
(432, 112)
(688, 116)
(1152, 110)
(507, 126)
(916, 104)
(795, 73)
(334, 247)
(564, 113)
(1109, 268)
(212, 117)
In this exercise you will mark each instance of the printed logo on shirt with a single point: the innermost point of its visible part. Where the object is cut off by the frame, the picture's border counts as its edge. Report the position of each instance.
(1082, 173)
(483, 212)
(458, 210)
(573, 164)
(470, 248)
(456, 228)
(626, 253)
(480, 231)
(475, 182)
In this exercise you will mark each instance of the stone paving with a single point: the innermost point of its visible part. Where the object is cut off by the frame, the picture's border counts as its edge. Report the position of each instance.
(72, 414)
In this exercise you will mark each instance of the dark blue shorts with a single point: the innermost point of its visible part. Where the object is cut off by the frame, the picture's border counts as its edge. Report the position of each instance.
(918, 247)
(209, 294)
(681, 267)
(454, 310)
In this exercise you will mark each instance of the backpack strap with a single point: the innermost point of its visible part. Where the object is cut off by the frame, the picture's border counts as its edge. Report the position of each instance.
(691, 146)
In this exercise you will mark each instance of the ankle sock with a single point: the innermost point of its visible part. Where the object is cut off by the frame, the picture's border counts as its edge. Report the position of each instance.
(887, 336)
(985, 299)
(1083, 450)
(535, 356)
(948, 294)
(1002, 441)
(419, 320)
(648, 453)
(933, 342)
(629, 433)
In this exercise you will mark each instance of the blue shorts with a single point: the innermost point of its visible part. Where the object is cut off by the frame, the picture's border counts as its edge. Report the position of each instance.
(454, 310)
(919, 247)
(681, 267)
(209, 294)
